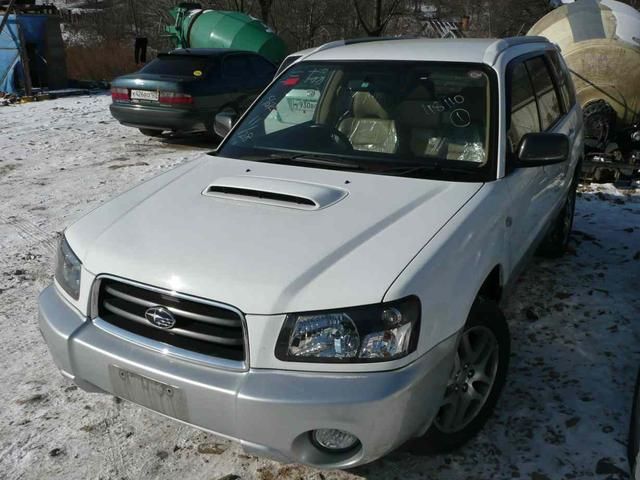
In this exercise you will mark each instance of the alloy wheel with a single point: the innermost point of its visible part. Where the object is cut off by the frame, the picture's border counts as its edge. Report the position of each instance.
(472, 379)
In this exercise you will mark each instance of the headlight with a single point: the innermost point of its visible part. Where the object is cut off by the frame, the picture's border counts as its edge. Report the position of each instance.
(68, 270)
(373, 333)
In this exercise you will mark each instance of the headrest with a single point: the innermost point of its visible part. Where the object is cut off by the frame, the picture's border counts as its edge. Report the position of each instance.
(414, 110)
(423, 91)
(474, 102)
(365, 105)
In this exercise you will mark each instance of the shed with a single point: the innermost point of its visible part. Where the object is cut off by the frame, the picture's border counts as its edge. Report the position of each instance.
(40, 39)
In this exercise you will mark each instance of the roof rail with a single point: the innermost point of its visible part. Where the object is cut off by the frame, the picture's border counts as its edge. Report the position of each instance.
(353, 41)
(500, 45)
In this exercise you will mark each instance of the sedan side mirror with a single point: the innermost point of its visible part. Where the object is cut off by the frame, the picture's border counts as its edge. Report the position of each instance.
(223, 123)
(538, 149)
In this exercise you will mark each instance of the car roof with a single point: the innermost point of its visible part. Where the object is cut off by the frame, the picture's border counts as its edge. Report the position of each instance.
(206, 52)
(472, 50)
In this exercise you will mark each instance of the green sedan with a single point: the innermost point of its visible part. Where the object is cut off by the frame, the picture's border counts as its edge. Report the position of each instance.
(183, 90)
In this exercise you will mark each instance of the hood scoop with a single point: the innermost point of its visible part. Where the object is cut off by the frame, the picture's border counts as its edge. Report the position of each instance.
(275, 192)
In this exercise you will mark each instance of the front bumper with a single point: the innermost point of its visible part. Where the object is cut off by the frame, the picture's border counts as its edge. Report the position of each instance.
(270, 412)
(157, 118)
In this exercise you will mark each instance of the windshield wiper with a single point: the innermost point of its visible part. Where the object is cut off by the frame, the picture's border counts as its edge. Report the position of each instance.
(435, 168)
(307, 159)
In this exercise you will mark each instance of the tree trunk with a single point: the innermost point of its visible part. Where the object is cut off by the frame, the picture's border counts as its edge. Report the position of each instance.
(265, 9)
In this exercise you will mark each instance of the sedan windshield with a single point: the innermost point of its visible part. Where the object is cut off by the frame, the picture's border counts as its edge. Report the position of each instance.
(412, 118)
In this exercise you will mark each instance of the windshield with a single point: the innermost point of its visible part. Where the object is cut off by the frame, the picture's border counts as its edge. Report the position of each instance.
(414, 118)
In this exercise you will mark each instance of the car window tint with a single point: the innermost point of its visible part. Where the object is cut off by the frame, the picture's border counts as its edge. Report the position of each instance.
(548, 101)
(524, 112)
(261, 66)
(564, 82)
(179, 65)
(236, 66)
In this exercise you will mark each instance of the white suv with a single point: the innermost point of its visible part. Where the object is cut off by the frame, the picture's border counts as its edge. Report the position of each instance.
(325, 286)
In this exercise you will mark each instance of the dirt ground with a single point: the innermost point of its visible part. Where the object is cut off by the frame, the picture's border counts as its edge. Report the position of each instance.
(564, 412)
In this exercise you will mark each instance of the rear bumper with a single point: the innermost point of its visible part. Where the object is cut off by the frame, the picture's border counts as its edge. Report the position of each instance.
(270, 412)
(157, 118)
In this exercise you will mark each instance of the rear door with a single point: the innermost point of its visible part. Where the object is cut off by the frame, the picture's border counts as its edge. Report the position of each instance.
(554, 117)
(263, 70)
(526, 185)
(240, 84)
(570, 109)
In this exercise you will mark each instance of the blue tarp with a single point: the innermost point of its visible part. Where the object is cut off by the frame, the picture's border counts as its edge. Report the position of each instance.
(33, 28)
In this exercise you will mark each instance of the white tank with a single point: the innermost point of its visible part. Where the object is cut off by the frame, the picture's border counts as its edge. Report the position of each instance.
(600, 41)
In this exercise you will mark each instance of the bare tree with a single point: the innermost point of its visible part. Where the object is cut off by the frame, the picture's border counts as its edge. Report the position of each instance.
(265, 9)
(382, 14)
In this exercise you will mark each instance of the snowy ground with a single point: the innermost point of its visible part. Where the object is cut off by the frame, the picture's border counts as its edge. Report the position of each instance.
(563, 414)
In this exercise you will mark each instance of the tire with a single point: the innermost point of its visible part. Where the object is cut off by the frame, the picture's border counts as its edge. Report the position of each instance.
(486, 326)
(599, 123)
(556, 241)
(150, 132)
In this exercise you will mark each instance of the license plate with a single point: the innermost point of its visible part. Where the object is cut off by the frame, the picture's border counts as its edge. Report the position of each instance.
(144, 95)
(150, 393)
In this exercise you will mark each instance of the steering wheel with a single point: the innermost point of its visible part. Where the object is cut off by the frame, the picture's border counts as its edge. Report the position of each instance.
(336, 135)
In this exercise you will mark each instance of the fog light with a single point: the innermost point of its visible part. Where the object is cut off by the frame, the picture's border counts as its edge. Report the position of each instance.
(334, 441)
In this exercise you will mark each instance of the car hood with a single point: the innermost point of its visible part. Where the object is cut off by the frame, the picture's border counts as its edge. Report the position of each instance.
(267, 238)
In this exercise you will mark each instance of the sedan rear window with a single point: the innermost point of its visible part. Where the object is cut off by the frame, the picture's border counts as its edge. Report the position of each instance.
(179, 66)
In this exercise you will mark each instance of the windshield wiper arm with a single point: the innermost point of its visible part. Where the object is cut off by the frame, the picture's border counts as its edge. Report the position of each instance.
(308, 159)
(410, 168)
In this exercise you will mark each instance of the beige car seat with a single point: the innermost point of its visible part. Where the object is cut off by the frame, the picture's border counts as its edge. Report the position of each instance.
(370, 128)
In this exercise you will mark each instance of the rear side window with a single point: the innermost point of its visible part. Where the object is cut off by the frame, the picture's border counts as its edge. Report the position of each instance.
(236, 66)
(564, 81)
(524, 112)
(548, 100)
(261, 66)
(180, 66)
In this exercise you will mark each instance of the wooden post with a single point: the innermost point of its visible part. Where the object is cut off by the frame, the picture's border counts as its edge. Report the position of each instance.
(25, 63)
(5, 18)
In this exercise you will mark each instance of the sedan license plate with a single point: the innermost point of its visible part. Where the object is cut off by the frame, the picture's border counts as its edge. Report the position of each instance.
(150, 393)
(151, 95)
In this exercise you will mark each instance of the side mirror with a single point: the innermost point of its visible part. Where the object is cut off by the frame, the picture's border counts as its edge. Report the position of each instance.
(538, 149)
(223, 122)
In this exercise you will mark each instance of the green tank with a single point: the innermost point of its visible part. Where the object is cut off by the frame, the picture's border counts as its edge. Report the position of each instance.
(195, 27)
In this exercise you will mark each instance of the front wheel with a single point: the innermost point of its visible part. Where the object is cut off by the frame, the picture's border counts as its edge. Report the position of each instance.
(479, 373)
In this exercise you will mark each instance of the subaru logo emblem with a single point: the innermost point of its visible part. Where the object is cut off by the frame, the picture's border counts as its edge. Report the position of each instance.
(160, 317)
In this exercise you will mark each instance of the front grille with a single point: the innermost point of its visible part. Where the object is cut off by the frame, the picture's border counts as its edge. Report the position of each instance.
(200, 327)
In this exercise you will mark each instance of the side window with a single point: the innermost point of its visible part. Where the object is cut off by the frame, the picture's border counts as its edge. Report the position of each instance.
(236, 66)
(524, 112)
(564, 81)
(546, 94)
(262, 67)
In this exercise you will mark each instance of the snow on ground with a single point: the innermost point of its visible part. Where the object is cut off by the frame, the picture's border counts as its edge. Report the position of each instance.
(574, 322)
